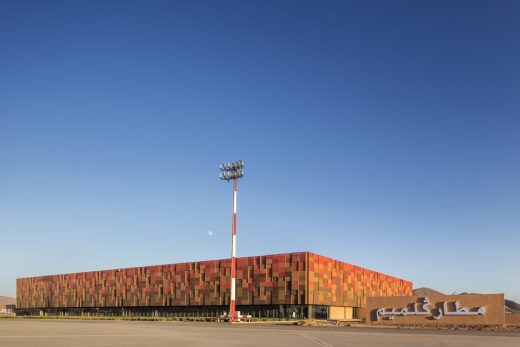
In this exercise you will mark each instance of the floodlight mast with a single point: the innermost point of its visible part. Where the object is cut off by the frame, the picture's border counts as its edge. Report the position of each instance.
(233, 171)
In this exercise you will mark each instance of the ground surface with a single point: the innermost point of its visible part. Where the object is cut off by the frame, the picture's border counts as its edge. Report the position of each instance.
(59, 333)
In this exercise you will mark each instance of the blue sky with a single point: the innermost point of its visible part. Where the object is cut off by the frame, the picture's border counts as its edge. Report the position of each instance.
(384, 134)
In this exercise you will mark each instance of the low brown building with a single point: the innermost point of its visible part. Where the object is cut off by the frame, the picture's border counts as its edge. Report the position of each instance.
(467, 309)
(513, 319)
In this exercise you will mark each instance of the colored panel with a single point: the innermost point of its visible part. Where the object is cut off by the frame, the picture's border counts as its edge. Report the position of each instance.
(335, 283)
(273, 279)
(281, 279)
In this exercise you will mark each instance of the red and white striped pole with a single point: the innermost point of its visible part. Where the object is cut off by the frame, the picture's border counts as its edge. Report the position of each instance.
(233, 171)
(232, 309)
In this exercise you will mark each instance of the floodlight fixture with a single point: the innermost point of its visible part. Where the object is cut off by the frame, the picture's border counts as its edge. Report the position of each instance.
(232, 171)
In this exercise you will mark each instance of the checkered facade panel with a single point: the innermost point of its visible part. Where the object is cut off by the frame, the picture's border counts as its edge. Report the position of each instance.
(283, 279)
(263, 280)
(335, 283)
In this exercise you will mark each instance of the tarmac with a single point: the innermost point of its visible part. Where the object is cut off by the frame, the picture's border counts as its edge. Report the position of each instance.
(79, 333)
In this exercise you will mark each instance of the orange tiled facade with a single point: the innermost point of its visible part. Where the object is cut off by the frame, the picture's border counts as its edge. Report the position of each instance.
(282, 279)
(335, 283)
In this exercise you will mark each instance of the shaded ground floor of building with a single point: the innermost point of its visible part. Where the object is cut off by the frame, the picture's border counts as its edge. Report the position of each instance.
(255, 311)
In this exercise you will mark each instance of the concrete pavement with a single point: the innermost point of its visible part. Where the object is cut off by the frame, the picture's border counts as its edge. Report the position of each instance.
(65, 333)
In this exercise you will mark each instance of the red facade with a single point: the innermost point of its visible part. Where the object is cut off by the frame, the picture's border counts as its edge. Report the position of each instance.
(335, 283)
(282, 279)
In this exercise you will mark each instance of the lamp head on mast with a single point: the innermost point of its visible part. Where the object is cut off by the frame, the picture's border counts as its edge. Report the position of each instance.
(230, 171)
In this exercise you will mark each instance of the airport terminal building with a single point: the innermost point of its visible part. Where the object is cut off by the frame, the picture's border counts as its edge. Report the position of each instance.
(292, 285)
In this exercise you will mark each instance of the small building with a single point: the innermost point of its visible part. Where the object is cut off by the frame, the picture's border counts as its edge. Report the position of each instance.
(293, 285)
(8, 309)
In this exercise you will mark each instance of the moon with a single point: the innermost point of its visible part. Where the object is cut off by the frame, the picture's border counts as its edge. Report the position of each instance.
(210, 233)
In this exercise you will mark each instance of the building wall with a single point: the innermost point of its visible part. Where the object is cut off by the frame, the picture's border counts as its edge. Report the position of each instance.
(335, 283)
(274, 279)
(283, 279)
(341, 313)
(446, 315)
(513, 319)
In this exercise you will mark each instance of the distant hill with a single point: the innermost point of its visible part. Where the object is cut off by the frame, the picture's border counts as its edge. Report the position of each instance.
(426, 292)
(5, 300)
(514, 307)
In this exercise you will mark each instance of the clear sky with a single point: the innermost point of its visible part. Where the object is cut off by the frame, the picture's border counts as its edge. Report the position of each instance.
(385, 134)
